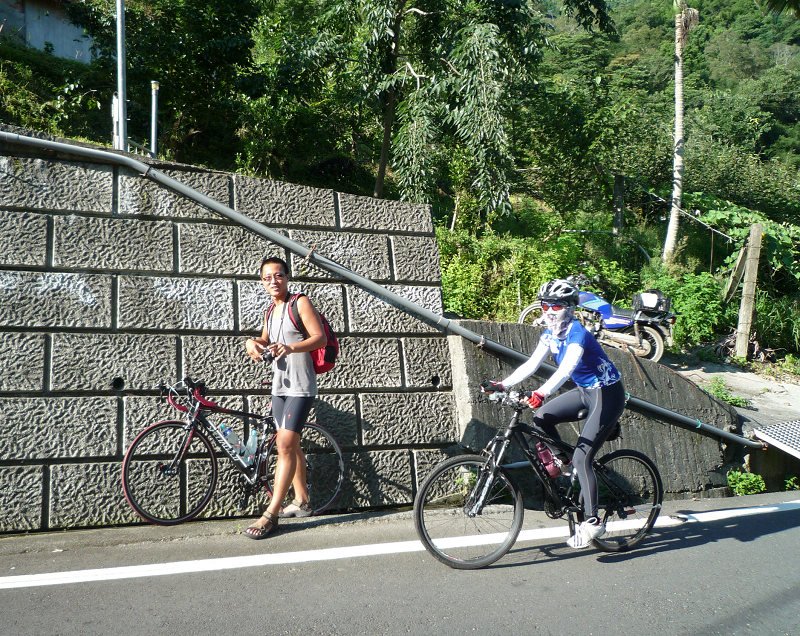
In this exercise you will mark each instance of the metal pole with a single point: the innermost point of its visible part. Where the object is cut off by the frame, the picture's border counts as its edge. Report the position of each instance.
(122, 95)
(389, 297)
(153, 118)
(115, 120)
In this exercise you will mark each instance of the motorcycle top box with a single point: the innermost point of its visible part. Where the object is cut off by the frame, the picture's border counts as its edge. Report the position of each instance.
(651, 300)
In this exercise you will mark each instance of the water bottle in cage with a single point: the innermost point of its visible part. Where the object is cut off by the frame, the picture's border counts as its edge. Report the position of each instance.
(232, 438)
(251, 447)
(548, 460)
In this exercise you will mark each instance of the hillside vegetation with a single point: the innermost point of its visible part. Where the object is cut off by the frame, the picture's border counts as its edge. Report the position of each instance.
(512, 119)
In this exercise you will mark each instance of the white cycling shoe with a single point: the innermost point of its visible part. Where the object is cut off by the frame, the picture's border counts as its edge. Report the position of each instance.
(584, 533)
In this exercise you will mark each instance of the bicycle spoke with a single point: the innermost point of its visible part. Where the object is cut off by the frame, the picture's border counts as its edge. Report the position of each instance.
(324, 468)
(169, 474)
(453, 528)
(629, 495)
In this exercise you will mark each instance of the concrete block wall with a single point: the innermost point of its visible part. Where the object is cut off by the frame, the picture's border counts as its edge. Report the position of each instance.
(110, 283)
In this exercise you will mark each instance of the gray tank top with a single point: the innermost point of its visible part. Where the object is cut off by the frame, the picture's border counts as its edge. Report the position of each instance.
(292, 375)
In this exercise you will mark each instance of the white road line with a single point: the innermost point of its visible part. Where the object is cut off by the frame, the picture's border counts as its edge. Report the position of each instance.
(329, 554)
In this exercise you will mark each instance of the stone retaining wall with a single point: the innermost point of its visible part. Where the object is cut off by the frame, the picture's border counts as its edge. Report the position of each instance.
(110, 283)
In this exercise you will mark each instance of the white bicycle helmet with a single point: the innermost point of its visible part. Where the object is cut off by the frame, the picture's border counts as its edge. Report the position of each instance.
(559, 291)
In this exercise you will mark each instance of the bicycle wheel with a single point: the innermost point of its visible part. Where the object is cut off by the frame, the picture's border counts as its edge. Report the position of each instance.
(531, 315)
(169, 473)
(450, 524)
(629, 498)
(324, 468)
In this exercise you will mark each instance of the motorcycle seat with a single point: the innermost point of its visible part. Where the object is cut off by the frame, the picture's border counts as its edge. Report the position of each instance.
(621, 311)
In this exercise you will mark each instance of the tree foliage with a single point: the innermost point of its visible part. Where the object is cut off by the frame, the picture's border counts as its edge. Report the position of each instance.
(512, 118)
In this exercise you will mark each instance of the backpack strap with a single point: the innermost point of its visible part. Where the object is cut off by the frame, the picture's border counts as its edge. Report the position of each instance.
(294, 314)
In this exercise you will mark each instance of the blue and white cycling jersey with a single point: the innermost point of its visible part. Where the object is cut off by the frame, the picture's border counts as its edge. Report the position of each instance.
(594, 368)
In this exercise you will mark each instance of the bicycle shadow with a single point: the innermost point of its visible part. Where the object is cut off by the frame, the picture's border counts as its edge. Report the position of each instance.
(689, 534)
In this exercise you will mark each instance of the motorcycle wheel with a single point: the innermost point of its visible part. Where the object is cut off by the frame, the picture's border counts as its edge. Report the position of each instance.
(531, 315)
(652, 342)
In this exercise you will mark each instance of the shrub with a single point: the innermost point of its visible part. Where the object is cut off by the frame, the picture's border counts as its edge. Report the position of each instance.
(777, 322)
(720, 390)
(696, 298)
(494, 277)
(743, 483)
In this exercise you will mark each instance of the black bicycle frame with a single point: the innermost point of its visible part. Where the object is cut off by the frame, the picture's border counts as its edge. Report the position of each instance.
(517, 430)
(249, 472)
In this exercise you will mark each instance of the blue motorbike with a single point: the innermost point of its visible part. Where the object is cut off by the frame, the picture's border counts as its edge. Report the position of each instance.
(643, 330)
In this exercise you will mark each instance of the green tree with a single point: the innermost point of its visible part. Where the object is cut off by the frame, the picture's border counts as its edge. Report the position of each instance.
(194, 48)
(436, 84)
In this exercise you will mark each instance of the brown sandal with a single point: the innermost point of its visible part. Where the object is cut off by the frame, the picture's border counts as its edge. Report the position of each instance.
(257, 533)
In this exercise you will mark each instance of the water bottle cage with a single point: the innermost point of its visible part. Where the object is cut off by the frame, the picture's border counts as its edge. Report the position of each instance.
(228, 447)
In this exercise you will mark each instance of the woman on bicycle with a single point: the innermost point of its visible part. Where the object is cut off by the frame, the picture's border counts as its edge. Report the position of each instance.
(294, 388)
(599, 390)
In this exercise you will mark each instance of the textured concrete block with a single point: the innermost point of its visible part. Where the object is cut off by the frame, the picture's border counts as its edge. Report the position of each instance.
(424, 461)
(368, 213)
(115, 244)
(33, 299)
(41, 184)
(365, 363)
(416, 259)
(142, 196)
(221, 362)
(23, 238)
(408, 418)
(378, 478)
(175, 303)
(426, 362)
(335, 412)
(221, 249)
(365, 254)
(54, 428)
(277, 203)
(328, 298)
(84, 495)
(368, 314)
(21, 361)
(21, 498)
(100, 362)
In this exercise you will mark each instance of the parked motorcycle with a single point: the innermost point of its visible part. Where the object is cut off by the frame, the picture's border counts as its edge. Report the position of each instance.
(643, 330)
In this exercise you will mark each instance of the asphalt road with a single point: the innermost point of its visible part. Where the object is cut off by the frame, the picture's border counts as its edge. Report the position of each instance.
(722, 566)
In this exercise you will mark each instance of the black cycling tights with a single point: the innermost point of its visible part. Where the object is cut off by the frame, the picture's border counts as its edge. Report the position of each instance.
(605, 405)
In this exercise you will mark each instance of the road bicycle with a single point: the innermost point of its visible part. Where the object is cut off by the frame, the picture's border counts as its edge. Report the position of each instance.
(468, 511)
(170, 470)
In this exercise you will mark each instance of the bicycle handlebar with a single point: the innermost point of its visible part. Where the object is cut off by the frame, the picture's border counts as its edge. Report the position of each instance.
(514, 399)
(194, 390)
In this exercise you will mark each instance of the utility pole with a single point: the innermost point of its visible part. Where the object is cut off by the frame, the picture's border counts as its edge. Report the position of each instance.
(685, 19)
(747, 307)
(121, 124)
